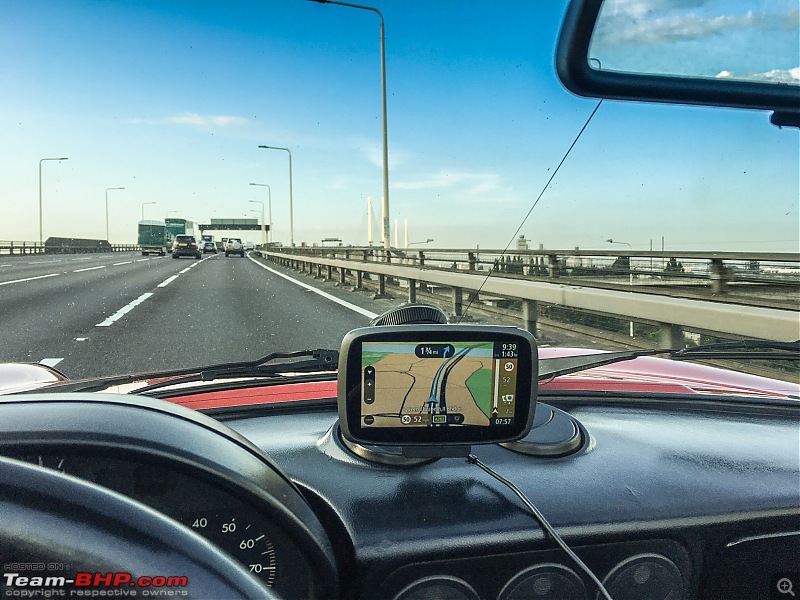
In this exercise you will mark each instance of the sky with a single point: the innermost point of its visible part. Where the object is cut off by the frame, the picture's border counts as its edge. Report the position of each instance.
(171, 99)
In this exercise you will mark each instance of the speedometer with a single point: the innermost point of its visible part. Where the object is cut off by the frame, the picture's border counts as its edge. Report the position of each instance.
(242, 538)
(246, 534)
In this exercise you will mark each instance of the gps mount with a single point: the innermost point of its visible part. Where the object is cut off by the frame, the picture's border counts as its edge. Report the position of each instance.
(414, 386)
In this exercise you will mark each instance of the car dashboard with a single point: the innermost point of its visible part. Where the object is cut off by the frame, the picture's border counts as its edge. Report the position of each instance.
(661, 497)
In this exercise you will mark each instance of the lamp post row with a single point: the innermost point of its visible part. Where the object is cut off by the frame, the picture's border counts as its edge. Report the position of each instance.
(386, 220)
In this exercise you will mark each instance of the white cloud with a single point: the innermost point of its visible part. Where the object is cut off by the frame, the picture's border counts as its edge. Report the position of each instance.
(644, 8)
(374, 154)
(669, 29)
(196, 120)
(208, 120)
(775, 76)
(474, 183)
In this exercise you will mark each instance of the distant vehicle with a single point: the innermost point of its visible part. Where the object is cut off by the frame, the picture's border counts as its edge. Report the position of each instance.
(176, 227)
(234, 246)
(152, 237)
(249, 246)
(185, 245)
(209, 246)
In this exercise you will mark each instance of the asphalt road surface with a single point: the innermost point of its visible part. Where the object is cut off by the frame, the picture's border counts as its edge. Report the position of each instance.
(103, 314)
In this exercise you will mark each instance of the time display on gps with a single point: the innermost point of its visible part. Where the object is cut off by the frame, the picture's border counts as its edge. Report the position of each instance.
(438, 384)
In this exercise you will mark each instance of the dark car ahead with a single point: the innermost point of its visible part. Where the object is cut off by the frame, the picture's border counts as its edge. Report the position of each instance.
(209, 247)
(185, 245)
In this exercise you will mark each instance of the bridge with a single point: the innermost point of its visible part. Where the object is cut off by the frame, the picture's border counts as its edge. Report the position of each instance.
(107, 312)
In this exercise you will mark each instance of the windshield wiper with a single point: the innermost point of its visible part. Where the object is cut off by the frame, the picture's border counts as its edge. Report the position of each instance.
(745, 349)
(271, 365)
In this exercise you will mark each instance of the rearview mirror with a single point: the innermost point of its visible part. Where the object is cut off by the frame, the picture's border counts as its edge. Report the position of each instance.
(712, 53)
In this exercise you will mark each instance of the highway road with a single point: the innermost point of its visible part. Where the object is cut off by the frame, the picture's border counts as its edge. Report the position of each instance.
(101, 314)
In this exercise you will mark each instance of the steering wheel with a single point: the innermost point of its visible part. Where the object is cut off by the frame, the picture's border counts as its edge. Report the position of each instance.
(55, 525)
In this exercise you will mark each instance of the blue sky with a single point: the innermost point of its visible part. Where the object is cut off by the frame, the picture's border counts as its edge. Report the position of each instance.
(171, 100)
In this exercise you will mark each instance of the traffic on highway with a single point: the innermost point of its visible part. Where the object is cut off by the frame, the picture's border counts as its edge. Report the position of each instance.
(274, 324)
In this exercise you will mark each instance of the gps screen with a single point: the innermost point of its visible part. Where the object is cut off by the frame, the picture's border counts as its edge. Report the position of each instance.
(438, 384)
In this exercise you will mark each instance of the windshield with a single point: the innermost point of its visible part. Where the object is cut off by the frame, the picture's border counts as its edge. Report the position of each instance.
(426, 152)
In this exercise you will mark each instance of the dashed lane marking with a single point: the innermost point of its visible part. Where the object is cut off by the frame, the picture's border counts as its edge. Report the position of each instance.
(29, 278)
(124, 310)
(89, 269)
(167, 281)
(50, 362)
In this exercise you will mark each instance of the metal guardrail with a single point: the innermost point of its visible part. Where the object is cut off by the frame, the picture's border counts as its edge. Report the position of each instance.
(557, 286)
(22, 248)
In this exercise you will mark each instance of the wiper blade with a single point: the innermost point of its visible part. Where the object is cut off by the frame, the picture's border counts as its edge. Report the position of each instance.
(564, 365)
(270, 365)
(745, 349)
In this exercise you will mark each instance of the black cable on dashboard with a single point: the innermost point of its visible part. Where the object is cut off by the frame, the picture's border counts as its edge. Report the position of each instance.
(472, 459)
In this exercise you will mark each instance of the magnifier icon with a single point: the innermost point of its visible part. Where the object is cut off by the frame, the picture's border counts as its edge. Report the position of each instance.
(784, 586)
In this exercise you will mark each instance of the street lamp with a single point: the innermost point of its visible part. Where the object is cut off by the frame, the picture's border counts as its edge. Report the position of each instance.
(428, 241)
(291, 201)
(269, 195)
(263, 224)
(40, 192)
(107, 190)
(143, 203)
(383, 106)
(630, 271)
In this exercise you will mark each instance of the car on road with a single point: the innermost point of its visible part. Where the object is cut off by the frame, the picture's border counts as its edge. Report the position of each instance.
(234, 246)
(580, 419)
(185, 245)
(249, 246)
(209, 247)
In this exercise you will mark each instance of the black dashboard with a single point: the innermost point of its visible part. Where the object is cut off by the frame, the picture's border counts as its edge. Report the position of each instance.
(662, 497)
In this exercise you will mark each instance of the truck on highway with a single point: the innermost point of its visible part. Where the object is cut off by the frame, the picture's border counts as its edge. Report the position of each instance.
(152, 237)
(176, 227)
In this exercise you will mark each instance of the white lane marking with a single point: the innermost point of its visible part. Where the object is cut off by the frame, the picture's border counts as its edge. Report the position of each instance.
(167, 281)
(127, 262)
(50, 362)
(124, 310)
(89, 269)
(29, 279)
(81, 339)
(186, 270)
(44, 262)
(353, 307)
(142, 259)
(1, 266)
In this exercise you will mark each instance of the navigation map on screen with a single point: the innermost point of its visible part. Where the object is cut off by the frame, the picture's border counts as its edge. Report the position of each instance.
(438, 384)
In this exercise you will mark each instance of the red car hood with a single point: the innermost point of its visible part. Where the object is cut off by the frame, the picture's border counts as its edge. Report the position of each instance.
(643, 374)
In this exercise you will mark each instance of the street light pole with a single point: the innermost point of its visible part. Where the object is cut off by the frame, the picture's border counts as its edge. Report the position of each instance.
(386, 220)
(269, 196)
(40, 193)
(107, 189)
(291, 201)
(263, 227)
(143, 203)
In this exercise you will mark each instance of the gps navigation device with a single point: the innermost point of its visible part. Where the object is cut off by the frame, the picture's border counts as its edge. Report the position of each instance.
(436, 385)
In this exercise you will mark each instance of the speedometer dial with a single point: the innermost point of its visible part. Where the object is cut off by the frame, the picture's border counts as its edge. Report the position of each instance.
(242, 538)
(246, 534)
